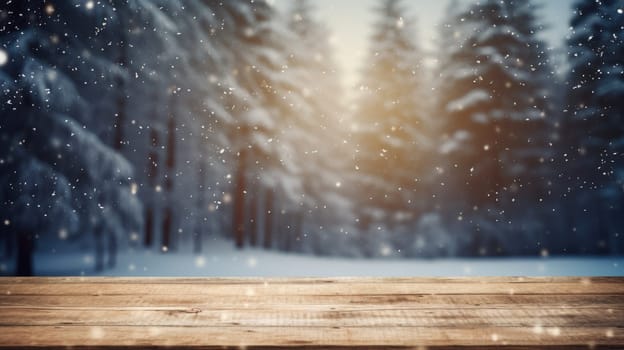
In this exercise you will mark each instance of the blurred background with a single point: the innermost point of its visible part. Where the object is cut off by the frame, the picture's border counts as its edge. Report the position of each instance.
(311, 138)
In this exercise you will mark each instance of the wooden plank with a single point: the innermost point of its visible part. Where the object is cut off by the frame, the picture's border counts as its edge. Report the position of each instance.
(267, 288)
(342, 302)
(446, 313)
(246, 337)
(306, 280)
(310, 316)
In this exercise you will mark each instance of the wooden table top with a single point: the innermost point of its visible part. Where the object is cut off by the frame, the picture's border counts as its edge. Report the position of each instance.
(216, 313)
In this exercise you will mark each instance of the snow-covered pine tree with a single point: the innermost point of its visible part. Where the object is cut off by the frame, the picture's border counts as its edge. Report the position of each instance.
(527, 164)
(444, 182)
(199, 112)
(58, 177)
(316, 133)
(258, 82)
(494, 104)
(390, 121)
(170, 25)
(125, 95)
(594, 128)
(166, 57)
(134, 111)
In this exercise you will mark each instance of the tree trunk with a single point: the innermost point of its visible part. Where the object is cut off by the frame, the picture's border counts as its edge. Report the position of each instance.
(298, 230)
(122, 62)
(198, 239)
(112, 250)
(286, 231)
(166, 230)
(253, 220)
(288, 235)
(25, 248)
(197, 242)
(201, 210)
(238, 217)
(615, 241)
(168, 215)
(152, 175)
(268, 218)
(8, 244)
(99, 250)
(149, 227)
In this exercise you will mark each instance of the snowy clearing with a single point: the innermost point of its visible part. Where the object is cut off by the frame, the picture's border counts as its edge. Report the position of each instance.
(221, 259)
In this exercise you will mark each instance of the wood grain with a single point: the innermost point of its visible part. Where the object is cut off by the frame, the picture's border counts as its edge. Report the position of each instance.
(431, 313)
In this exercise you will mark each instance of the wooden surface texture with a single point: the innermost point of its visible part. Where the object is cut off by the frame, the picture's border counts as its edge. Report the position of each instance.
(420, 313)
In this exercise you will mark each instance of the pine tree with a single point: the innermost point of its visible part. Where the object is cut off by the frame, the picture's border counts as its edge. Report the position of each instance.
(170, 58)
(138, 39)
(57, 176)
(199, 112)
(495, 103)
(258, 82)
(315, 131)
(593, 127)
(146, 95)
(390, 122)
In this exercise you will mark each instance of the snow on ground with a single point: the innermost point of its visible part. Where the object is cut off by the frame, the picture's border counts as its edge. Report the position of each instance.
(221, 259)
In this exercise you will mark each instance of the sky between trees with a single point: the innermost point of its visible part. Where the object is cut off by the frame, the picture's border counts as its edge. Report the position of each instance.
(350, 22)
